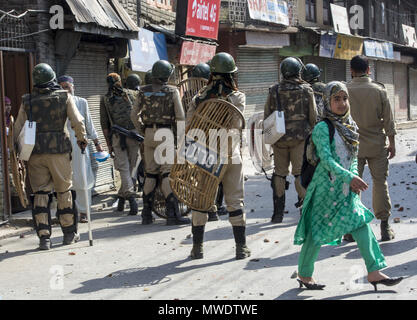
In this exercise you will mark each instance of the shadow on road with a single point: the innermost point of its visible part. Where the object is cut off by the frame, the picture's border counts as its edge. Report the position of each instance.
(141, 276)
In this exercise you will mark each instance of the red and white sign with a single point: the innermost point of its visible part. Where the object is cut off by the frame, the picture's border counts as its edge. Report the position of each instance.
(203, 18)
(193, 53)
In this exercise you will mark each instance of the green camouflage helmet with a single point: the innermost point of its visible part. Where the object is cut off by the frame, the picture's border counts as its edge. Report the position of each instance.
(291, 67)
(42, 74)
(223, 63)
(201, 70)
(133, 81)
(162, 69)
(311, 72)
(148, 77)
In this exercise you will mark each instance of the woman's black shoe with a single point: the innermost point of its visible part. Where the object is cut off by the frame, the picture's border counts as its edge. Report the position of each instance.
(311, 286)
(387, 282)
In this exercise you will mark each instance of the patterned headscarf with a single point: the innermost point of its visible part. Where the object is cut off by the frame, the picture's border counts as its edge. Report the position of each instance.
(344, 124)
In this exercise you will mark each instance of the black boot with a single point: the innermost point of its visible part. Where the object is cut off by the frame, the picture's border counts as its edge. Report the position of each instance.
(221, 211)
(120, 204)
(173, 211)
(242, 250)
(198, 236)
(387, 233)
(44, 243)
(147, 217)
(133, 206)
(279, 206)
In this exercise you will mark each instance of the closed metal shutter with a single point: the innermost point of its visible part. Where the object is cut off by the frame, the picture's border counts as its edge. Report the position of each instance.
(335, 70)
(401, 92)
(413, 93)
(258, 70)
(385, 75)
(89, 70)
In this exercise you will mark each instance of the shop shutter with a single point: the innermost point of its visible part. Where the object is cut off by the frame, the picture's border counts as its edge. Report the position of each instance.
(401, 92)
(413, 93)
(385, 75)
(89, 70)
(258, 70)
(335, 70)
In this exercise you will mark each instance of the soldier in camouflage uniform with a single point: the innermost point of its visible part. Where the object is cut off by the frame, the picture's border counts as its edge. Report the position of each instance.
(311, 74)
(158, 106)
(296, 99)
(148, 77)
(133, 82)
(49, 166)
(222, 85)
(115, 108)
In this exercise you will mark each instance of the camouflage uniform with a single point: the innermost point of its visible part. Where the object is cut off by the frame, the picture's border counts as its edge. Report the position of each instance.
(50, 163)
(158, 106)
(299, 106)
(115, 110)
(318, 88)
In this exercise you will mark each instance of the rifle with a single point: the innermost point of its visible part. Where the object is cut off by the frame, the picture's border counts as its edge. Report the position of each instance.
(130, 134)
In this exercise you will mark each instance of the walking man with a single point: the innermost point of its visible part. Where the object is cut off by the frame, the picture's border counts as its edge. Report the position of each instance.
(296, 98)
(373, 114)
(67, 83)
(49, 165)
(115, 109)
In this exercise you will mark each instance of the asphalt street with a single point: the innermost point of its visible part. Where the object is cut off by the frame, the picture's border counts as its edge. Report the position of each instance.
(132, 261)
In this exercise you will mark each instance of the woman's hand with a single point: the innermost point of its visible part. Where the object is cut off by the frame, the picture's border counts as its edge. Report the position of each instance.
(357, 185)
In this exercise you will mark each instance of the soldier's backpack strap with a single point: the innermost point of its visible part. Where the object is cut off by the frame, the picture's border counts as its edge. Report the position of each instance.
(106, 101)
(279, 100)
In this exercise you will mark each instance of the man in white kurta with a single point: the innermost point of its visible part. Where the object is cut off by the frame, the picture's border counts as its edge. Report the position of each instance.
(79, 186)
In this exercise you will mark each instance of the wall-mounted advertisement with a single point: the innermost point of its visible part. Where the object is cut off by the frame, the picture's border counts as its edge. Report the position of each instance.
(274, 11)
(376, 49)
(198, 18)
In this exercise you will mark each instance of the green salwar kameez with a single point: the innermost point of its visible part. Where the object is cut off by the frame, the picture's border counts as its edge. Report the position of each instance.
(331, 209)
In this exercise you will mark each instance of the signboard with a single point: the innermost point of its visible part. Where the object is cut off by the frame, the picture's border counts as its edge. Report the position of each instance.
(198, 18)
(327, 45)
(275, 11)
(347, 47)
(340, 19)
(149, 48)
(410, 36)
(383, 50)
(193, 53)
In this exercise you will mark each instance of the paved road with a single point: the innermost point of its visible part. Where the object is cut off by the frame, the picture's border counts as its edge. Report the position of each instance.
(131, 261)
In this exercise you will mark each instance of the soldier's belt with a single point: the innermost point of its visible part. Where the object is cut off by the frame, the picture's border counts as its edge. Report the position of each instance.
(157, 126)
(130, 134)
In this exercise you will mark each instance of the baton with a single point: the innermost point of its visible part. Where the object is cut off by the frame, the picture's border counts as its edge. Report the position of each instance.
(84, 173)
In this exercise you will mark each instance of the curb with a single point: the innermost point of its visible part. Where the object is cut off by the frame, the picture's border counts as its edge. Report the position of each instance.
(406, 125)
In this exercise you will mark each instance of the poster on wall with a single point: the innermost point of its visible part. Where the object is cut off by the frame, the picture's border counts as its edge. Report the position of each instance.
(340, 19)
(410, 36)
(347, 47)
(274, 11)
(327, 45)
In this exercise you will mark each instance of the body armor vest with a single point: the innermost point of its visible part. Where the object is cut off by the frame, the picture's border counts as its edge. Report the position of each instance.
(295, 103)
(119, 108)
(49, 111)
(157, 107)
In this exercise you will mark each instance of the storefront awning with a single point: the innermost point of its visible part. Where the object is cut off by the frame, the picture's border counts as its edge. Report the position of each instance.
(149, 48)
(105, 17)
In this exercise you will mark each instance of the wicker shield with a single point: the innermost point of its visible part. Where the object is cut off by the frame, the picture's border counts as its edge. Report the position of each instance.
(18, 168)
(189, 88)
(195, 177)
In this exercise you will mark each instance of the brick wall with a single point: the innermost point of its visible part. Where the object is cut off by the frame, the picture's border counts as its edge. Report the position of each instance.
(131, 8)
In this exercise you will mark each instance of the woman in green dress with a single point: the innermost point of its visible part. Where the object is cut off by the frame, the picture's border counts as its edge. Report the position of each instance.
(332, 205)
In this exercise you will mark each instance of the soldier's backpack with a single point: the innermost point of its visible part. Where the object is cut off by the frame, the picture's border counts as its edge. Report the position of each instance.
(310, 159)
